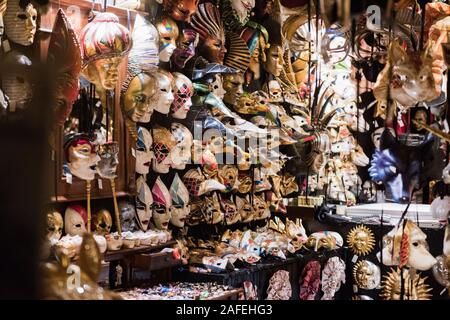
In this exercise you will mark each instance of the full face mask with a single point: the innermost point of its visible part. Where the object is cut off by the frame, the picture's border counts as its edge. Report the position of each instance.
(183, 92)
(207, 23)
(164, 95)
(81, 157)
(244, 209)
(186, 43)
(411, 289)
(366, 275)
(144, 153)
(257, 42)
(181, 152)
(406, 245)
(20, 22)
(274, 60)
(55, 224)
(231, 214)
(109, 159)
(102, 222)
(127, 216)
(180, 10)
(168, 34)
(163, 144)
(180, 202)
(232, 83)
(212, 210)
(104, 43)
(144, 203)
(75, 220)
(162, 205)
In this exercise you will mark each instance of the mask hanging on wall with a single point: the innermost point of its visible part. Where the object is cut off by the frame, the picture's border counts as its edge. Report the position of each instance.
(180, 202)
(232, 83)
(181, 152)
(144, 204)
(413, 288)
(75, 220)
(162, 204)
(168, 35)
(144, 152)
(366, 275)
(180, 10)
(164, 95)
(183, 92)
(235, 13)
(20, 22)
(163, 144)
(186, 43)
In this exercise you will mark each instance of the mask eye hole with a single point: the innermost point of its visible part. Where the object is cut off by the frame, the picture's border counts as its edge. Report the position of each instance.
(78, 225)
(22, 16)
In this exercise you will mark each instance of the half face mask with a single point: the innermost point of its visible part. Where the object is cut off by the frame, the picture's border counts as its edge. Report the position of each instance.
(198, 185)
(20, 22)
(274, 60)
(163, 203)
(164, 95)
(127, 216)
(406, 245)
(180, 10)
(75, 220)
(183, 92)
(109, 159)
(228, 175)
(230, 211)
(104, 42)
(186, 43)
(55, 224)
(81, 158)
(168, 34)
(144, 204)
(181, 152)
(163, 143)
(144, 153)
(232, 83)
(208, 24)
(180, 202)
(102, 222)
(366, 275)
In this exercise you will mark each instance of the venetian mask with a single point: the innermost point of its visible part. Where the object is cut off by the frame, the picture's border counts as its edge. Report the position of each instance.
(296, 231)
(211, 209)
(81, 157)
(421, 117)
(274, 60)
(198, 185)
(245, 183)
(180, 202)
(251, 103)
(325, 239)
(55, 224)
(441, 271)
(127, 216)
(180, 10)
(162, 205)
(144, 153)
(144, 203)
(208, 23)
(181, 152)
(256, 39)
(186, 43)
(260, 208)
(376, 136)
(104, 43)
(102, 222)
(228, 175)
(288, 185)
(406, 245)
(217, 86)
(109, 159)
(366, 275)
(168, 34)
(440, 208)
(183, 92)
(164, 95)
(333, 275)
(230, 211)
(244, 209)
(361, 240)
(412, 288)
(163, 144)
(137, 99)
(275, 91)
(236, 13)
(75, 220)
(232, 83)
(20, 22)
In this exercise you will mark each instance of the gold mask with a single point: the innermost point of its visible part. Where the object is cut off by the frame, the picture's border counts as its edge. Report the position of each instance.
(414, 289)
(361, 240)
(102, 222)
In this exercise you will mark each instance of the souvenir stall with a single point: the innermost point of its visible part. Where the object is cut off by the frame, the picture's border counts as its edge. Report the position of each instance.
(222, 149)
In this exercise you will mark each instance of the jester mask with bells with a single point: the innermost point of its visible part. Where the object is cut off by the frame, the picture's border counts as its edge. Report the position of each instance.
(183, 92)
(81, 157)
(180, 202)
(127, 216)
(102, 222)
(144, 203)
(144, 152)
(186, 43)
(406, 245)
(64, 56)
(162, 205)
(168, 35)
(180, 10)
(181, 152)
(55, 224)
(140, 87)
(20, 21)
(104, 44)
(163, 144)
(75, 220)
(207, 22)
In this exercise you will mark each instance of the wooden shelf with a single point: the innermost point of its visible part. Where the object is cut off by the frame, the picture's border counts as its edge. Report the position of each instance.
(125, 253)
(229, 295)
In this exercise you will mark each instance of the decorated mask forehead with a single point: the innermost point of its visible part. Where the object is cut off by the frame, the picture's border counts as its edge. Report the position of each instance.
(179, 192)
(162, 144)
(180, 10)
(161, 196)
(236, 13)
(75, 219)
(20, 22)
(145, 139)
(168, 34)
(144, 203)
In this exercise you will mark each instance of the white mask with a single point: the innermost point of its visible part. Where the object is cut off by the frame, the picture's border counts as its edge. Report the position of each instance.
(181, 153)
(163, 202)
(180, 202)
(440, 208)
(144, 203)
(144, 153)
(183, 92)
(20, 22)
(82, 159)
(163, 144)
(163, 97)
(75, 219)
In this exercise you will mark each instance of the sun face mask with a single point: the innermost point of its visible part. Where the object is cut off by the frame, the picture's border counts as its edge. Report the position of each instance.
(20, 22)
(180, 202)
(81, 157)
(366, 275)
(186, 43)
(361, 240)
(232, 83)
(168, 34)
(144, 153)
(75, 220)
(181, 152)
(104, 43)
(144, 204)
(413, 289)
(183, 92)
(163, 144)
(109, 159)
(162, 203)
(55, 224)
(102, 222)
(127, 216)
(207, 23)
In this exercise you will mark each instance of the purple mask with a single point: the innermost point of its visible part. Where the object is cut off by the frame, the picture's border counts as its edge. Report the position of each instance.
(186, 43)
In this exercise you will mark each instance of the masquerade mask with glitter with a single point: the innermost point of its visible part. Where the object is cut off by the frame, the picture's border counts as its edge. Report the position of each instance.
(180, 202)
(181, 153)
(144, 203)
(180, 10)
(163, 143)
(109, 159)
(20, 22)
(183, 92)
(104, 42)
(75, 219)
(127, 216)
(81, 158)
(144, 153)
(168, 34)
(102, 222)
(163, 202)
(186, 43)
(55, 224)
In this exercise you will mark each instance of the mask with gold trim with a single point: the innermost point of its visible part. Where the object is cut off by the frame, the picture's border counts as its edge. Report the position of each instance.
(55, 224)
(361, 240)
(288, 185)
(366, 275)
(81, 157)
(102, 222)
(75, 220)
